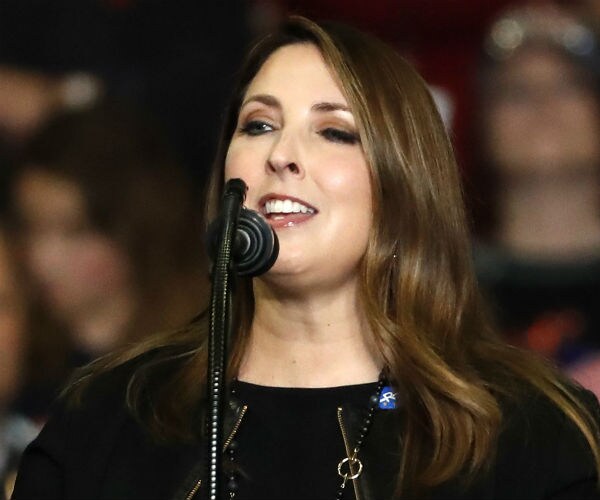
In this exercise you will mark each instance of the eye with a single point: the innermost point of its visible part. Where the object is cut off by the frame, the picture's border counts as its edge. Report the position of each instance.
(340, 136)
(256, 127)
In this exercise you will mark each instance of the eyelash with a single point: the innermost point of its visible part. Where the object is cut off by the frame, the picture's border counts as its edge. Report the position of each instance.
(255, 127)
(340, 136)
(258, 127)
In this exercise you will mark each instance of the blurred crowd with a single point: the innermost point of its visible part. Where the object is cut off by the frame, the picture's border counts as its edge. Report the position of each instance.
(108, 114)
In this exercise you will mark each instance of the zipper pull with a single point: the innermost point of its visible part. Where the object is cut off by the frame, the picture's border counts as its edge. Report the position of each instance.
(194, 490)
(344, 479)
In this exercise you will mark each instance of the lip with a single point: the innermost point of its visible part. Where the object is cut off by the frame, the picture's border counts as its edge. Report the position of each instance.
(287, 220)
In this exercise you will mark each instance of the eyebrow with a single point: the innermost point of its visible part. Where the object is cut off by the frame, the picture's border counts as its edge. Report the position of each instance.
(267, 100)
(329, 106)
(322, 107)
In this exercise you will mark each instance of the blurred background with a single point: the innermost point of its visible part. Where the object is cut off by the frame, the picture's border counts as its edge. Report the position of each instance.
(109, 112)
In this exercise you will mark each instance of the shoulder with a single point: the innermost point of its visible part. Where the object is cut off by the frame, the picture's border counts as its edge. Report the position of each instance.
(106, 383)
(90, 406)
(95, 388)
(82, 436)
(540, 454)
(77, 435)
(87, 445)
(534, 415)
(541, 449)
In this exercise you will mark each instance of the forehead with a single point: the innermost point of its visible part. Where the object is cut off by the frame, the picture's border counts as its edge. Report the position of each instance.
(297, 70)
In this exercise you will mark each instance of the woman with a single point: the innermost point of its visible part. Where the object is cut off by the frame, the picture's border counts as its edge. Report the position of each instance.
(110, 231)
(363, 365)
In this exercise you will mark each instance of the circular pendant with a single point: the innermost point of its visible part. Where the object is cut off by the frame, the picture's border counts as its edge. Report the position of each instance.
(351, 463)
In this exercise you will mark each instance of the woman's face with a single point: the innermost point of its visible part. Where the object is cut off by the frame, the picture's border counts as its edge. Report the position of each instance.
(542, 118)
(74, 267)
(297, 148)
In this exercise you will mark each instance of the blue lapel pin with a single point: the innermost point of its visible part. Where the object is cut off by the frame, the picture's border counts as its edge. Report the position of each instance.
(387, 398)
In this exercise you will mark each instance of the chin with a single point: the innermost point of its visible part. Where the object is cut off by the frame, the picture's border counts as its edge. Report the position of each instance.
(287, 268)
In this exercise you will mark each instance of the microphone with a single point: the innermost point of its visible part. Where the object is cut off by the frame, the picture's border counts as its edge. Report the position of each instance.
(255, 244)
(255, 247)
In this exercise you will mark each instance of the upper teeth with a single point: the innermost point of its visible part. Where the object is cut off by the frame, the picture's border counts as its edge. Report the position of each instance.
(286, 207)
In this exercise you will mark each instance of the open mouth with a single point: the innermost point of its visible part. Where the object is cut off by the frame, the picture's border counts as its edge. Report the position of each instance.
(286, 206)
(286, 211)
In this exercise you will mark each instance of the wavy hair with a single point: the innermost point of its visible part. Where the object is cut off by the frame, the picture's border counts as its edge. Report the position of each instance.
(427, 319)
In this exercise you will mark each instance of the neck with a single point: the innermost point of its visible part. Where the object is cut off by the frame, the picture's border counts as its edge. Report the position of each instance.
(316, 341)
(101, 326)
(554, 217)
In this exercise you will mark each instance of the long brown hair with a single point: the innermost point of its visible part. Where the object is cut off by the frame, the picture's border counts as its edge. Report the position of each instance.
(418, 287)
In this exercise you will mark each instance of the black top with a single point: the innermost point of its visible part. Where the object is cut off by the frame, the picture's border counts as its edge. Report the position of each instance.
(291, 443)
(98, 451)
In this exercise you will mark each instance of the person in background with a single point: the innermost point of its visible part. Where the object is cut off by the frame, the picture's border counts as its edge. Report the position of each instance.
(16, 431)
(536, 202)
(362, 364)
(111, 234)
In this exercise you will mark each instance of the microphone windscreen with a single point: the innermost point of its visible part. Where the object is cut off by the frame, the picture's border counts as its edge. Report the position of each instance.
(255, 245)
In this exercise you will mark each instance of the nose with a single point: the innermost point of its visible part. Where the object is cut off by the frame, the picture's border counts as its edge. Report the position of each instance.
(284, 157)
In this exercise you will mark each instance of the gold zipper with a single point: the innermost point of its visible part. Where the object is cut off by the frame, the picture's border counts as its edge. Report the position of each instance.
(243, 411)
(235, 427)
(351, 456)
(194, 490)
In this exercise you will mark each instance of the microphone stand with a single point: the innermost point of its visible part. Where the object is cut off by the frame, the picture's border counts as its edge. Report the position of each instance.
(220, 330)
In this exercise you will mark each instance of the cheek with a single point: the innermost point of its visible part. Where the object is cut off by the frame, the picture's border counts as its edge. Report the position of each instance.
(349, 180)
(246, 164)
(349, 187)
(240, 162)
(232, 165)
